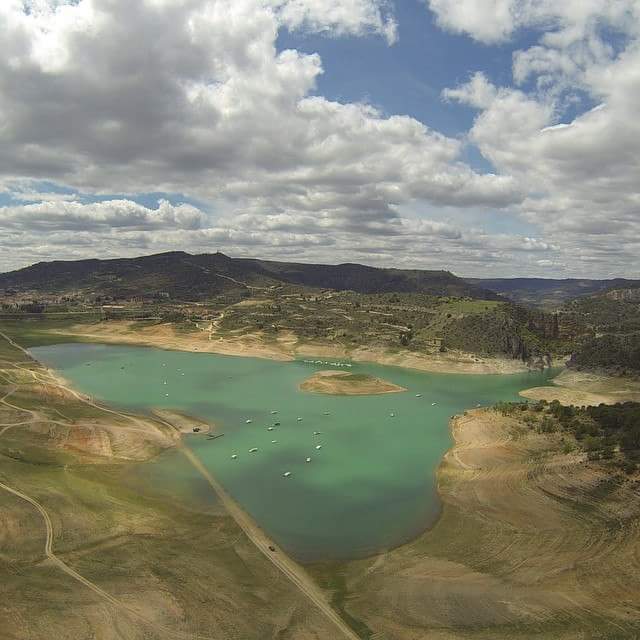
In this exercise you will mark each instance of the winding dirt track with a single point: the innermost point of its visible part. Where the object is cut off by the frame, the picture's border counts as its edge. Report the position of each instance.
(60, 564)
(289, 567)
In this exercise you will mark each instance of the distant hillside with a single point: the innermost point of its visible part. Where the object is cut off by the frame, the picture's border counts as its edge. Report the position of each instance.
(610, 324)
(613, 353)
(550, 294)
(197, 277)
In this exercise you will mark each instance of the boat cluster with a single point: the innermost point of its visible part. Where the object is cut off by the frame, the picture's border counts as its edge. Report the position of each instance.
(286, 474)
(329, 364)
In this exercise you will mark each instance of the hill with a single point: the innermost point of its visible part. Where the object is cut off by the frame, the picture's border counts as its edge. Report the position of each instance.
(549, 293)
(611, 331)
(196, 277)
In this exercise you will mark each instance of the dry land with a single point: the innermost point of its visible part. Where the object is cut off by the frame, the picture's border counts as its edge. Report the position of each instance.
(531, 543)
(93, 545)
(348, 384)
(581, 389)
(182, 422)
(534, 539)
(285, 345)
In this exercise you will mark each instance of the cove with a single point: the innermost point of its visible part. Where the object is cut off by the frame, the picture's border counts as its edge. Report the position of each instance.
(371, 485)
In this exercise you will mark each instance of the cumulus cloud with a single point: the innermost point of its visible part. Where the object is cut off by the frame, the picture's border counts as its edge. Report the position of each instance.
(338, 17)
(204, 103)
(123, 228)
(486, 20)
(580, 173)
(193, 97)
(55, 215)
(563, 23)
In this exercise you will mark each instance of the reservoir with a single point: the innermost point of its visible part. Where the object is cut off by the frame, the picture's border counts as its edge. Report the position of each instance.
(370, 483)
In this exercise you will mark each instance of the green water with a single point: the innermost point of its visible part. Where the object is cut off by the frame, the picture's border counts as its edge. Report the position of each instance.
(371, 485)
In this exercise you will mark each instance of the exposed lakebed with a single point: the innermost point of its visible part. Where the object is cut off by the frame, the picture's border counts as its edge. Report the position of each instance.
(370, 485)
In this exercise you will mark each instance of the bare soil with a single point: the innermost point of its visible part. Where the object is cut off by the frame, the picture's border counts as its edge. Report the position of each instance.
(531, 543)
(346, 384)
(582, 389)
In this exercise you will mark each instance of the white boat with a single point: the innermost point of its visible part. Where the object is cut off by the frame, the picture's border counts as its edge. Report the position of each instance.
(166, 395)
(326, 413)
(392, 415)
(253, 450)
(418, 395)
(234, 456)
(274, 442)
(270, 428)
(165, 382)
(248, 421)
(286, 474)
(317, 433)
(318, 446)
(433, 404)
(308, 460)
(299, 419)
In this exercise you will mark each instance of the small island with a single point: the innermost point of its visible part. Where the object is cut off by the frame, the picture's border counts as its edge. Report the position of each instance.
(348, 384)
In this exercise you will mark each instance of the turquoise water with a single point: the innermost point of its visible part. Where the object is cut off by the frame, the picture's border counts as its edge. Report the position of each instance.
(372, 484)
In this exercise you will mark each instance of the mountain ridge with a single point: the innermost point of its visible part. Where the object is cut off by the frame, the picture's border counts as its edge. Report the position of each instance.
(179, 274)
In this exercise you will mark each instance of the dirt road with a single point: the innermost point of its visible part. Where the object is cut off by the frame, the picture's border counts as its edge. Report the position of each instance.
(289, 567)
(60, 564)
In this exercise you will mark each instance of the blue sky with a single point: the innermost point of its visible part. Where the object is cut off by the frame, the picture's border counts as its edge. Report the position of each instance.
(408, 77)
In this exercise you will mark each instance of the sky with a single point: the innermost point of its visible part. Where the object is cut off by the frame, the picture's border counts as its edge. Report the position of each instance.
(491, 138)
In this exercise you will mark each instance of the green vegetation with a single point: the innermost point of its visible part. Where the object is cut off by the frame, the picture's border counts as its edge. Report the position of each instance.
(507, 329)
(608, 335)
(180, 276)
(605, 432)
(354, 377)
(33, 332)
(618, 354)
(348, 306)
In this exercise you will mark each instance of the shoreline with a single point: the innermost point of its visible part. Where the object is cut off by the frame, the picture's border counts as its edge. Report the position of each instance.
(581, 388)
(286, 349)
(181, 424)
(340, 383)
(521, 522)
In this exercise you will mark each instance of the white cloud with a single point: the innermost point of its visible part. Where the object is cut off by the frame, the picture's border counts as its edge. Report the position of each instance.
(580, 173)
(54, 215)
(486, 20)
(192, 96)
(478, 92)
(123, 228)
(338, 17)
(564, 23)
